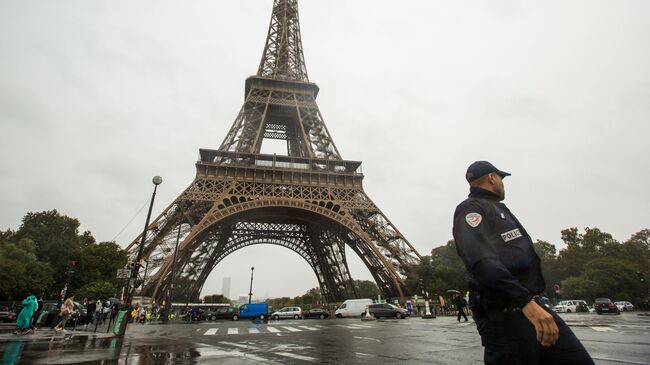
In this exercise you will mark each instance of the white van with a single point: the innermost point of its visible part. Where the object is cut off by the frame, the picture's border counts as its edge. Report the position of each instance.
(353, 308)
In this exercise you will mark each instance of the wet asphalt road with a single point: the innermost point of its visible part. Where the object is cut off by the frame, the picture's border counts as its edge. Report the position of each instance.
(610, 339)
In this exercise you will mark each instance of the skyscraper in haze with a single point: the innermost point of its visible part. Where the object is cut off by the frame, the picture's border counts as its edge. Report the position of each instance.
(225, 287)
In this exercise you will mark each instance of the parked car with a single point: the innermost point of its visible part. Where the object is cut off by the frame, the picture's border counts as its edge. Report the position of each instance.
(605, 305)
(571, 306)
(7, 315)
(387, 310)
(353, 308)
(254, 310)
(222, 313)
(287, 312)
(624, 306)
(316, 313)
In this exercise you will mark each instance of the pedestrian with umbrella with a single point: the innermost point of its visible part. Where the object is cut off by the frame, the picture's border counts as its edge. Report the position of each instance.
(460, 304)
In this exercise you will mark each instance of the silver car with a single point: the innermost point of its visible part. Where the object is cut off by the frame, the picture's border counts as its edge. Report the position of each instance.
(624, 306)
(287, 312)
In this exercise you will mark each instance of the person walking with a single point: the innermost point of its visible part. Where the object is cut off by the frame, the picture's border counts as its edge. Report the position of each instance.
(37, 313)
(91, 306)
(460, 304)
(66, 311)
(506, 280)
(24, 320)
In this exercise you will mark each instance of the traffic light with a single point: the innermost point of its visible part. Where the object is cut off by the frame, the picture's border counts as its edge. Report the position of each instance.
(72, 264)
(641, 277)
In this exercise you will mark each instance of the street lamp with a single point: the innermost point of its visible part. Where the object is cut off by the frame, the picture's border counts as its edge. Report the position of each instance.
(157, 180)
(250, 292)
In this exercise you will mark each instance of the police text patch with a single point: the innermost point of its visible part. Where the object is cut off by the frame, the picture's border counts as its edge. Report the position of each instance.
(511, 235)
(473, 219)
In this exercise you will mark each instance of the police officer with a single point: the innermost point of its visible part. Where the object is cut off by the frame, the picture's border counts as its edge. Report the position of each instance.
(506, 279)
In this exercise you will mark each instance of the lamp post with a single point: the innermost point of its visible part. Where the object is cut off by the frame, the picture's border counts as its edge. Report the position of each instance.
(157, 180)
(250, 292)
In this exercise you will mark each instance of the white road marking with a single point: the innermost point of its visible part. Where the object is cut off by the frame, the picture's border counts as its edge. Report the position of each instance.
(618, 360)
(272, 329)
(211, 331)
(365, 325)
(367, 338)
(294, 356)
(603, 329)
(234, 344)
(253, 330)
(233, 331)
(292, 329)
(309, 328)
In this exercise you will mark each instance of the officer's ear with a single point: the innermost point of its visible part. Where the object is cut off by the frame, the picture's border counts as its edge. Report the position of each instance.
(491, 178)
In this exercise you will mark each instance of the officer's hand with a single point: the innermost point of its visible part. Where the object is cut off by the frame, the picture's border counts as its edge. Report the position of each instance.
(547, 331)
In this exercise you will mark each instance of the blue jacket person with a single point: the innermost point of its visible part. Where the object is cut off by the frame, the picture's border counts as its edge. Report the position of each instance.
(506, 280)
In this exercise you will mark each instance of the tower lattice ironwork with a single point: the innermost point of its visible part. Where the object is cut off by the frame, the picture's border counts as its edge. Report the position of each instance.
(310, 201)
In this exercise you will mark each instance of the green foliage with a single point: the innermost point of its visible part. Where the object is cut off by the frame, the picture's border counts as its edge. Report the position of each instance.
(98, 290)
(35, 258)
(366, 289)
(21, 272)
(442, 271)
(605, 277)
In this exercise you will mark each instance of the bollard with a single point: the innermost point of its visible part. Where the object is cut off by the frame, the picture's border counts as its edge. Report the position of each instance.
(427, 311)
(367, 316)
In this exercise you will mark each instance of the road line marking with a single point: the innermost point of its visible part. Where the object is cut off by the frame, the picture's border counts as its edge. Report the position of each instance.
(197, 330)
(621, 361)
(309, 328)
(234, 344)
(365, 325)
(367, 338)
(211, 331)
(233, 331)
(292, 329)
(294, 356)
(603, 329)
(253, 330)
(272, 329)
(356, 326)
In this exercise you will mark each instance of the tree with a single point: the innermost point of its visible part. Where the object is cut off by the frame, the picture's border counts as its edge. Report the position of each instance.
(98, 290)
(605, 277)
(548, 259)
(20, 271)
(366, 289)
(449, 271)
(56, 240)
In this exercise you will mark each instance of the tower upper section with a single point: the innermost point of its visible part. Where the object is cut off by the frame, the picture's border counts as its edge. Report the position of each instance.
(283, 58)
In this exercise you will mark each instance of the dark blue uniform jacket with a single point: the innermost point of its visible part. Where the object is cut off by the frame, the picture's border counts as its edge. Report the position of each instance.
(496, 249)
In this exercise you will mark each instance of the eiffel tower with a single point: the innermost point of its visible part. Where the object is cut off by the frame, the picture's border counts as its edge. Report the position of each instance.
(310, 201)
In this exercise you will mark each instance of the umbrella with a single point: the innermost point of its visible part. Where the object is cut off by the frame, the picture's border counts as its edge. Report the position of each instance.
(114, 300)
(453, 291)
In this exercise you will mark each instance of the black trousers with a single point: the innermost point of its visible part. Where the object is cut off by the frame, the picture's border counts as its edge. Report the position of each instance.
(513, 341)
(461, 311)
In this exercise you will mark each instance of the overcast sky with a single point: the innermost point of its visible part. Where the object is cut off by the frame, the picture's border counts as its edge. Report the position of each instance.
(97, 97)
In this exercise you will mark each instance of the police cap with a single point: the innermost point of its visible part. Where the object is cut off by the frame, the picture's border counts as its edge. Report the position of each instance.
(480, 168)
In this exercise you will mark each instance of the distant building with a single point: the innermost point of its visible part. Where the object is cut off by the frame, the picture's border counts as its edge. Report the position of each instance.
(225, 287)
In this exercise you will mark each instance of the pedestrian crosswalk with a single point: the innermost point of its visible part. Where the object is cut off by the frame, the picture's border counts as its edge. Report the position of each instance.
(270, 329)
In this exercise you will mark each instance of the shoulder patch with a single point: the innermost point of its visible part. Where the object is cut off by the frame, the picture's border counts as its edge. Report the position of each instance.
(473, 219)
